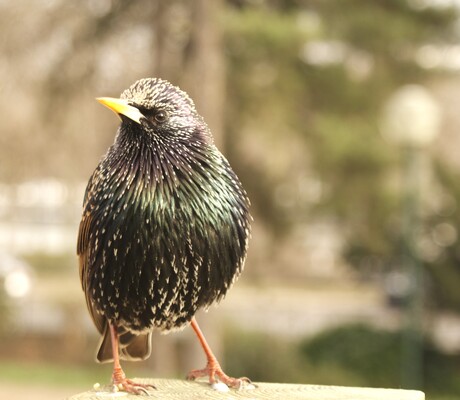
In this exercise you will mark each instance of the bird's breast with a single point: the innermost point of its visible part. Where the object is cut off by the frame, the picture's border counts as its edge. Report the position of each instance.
(167, 248)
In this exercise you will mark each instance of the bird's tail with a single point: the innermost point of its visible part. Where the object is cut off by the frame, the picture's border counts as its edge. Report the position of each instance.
(132, 347)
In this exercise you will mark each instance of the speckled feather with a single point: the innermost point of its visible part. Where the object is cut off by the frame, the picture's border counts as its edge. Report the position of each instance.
(165, 225)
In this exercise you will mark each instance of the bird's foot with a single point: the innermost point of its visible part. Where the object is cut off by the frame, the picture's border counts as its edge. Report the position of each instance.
(121, 383)
(214, 371)
(129, 386)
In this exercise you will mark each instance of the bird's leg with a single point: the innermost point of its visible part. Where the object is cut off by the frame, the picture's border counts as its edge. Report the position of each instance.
(119, 379)
(213, 369)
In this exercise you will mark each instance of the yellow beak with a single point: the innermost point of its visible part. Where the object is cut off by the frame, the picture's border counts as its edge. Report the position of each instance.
(121, 106)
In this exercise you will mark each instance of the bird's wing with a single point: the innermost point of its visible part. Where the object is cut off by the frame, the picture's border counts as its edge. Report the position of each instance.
(82, 247)
(83, 255)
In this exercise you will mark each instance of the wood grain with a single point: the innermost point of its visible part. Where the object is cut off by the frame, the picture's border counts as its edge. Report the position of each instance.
(171, 389)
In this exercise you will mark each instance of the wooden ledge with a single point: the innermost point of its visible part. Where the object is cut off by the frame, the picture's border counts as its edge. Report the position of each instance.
(172, 389)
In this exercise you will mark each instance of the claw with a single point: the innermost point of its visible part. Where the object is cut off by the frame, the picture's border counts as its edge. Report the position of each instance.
(119, 380)
(213, 368)
(129, 386)
(215, 374)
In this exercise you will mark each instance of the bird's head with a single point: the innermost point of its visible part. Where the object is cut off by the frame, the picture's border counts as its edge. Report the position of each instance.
(158, 110)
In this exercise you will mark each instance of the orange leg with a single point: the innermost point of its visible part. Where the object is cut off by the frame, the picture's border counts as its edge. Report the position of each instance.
(213, 369)
(118, 376)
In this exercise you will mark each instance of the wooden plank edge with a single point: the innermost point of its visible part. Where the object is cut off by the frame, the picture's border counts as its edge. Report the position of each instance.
(172, 389)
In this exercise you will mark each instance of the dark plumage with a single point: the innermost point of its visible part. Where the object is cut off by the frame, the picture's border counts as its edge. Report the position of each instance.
(165, 225)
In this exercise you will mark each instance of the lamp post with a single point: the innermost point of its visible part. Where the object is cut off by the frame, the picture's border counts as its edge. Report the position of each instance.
(411, 119)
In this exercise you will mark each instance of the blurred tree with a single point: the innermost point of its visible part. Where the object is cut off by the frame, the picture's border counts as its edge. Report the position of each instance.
(308, 81)
(374, 356)
(296, 86)
(440, 241)
(88, 49)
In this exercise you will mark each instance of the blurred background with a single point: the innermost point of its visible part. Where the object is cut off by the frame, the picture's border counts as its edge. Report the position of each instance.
(341, 119)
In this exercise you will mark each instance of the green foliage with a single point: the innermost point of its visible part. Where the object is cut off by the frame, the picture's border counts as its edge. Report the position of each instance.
(444, 270)
(375, 356)
(49, 374)
(278, 362)
(331, 110)
(269, 358)
(265, 31)
(266, 95)
(350, 355)
(365, 23)
(52, 374)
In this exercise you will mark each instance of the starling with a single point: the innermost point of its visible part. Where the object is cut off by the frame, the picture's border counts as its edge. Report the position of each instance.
(164, 230)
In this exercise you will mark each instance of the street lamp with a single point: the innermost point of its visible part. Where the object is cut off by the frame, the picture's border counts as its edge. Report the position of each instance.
(411, 119)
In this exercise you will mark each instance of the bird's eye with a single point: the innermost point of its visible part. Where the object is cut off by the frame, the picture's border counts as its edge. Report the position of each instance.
(161, 116)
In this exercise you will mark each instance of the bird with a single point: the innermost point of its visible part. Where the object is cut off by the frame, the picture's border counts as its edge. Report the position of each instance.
(164, 230)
